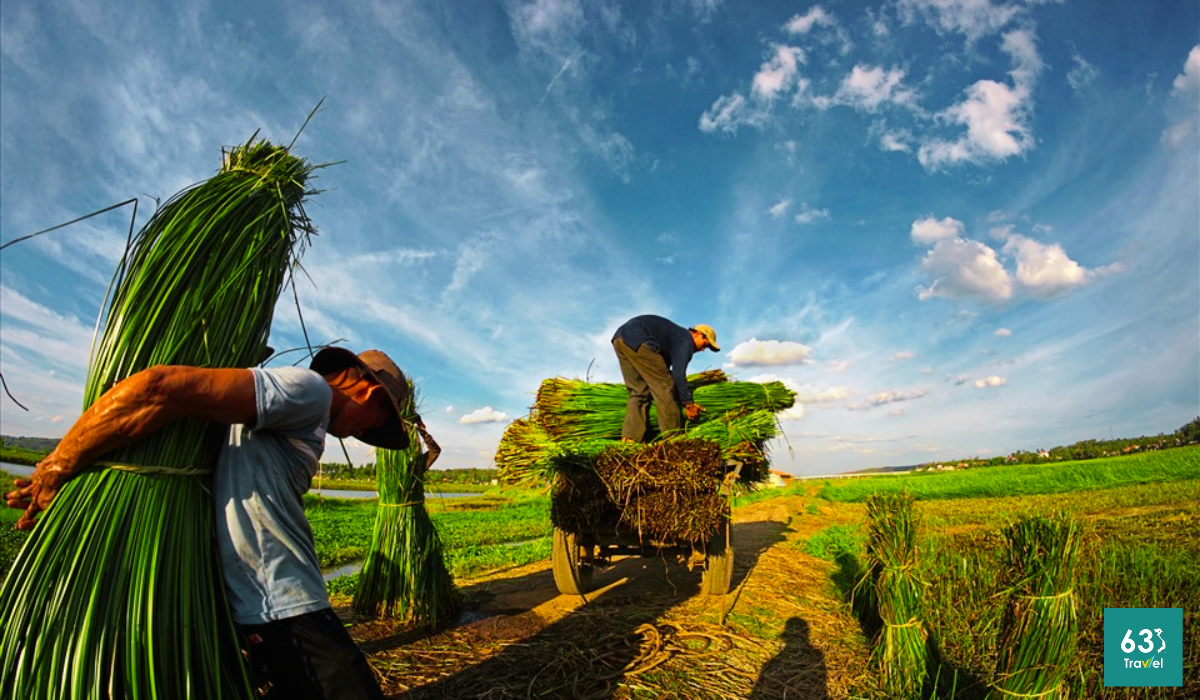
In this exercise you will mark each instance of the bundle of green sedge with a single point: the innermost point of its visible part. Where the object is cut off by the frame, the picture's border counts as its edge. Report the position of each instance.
(1038, 626)
(573, 421)
(117, 593)
(405, 575)
(899, 651)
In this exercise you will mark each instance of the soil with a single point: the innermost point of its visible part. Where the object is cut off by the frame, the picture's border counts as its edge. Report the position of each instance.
(784, 630)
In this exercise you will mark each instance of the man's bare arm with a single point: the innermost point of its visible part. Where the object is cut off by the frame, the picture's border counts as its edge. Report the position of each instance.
(135, 408)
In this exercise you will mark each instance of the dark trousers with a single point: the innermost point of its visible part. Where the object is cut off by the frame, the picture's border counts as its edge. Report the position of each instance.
(648, 379)
(308, 657)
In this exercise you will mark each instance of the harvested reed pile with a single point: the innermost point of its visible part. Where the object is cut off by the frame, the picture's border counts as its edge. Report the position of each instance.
(572, 410)
(669, 488)
(573, 421)
(899, 651)
(1038, 628)
(666, 489)
(405, 575)
(117, 592)
(580, 503)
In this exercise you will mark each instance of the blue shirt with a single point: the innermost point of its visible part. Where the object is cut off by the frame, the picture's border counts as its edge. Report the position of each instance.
(672, 341)
(268, 558)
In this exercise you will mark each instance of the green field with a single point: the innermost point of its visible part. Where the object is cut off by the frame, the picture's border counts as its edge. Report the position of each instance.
(1065, 477)
(1140, 549)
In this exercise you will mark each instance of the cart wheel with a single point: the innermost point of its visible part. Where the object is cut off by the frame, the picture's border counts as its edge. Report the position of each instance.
(572, 575)
(718, 565)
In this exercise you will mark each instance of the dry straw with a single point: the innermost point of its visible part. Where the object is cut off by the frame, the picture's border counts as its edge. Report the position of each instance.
(117, 593)
(1038, 627)
(899, 651)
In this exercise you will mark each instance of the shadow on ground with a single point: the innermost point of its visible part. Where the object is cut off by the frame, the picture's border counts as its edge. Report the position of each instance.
(519, 638)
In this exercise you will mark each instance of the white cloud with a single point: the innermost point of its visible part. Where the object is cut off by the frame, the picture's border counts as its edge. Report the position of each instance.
(487, 414)
(769, 352)
(780, 208)
(803, 24)
(1021, 45)
(895, 141)
(885, 397)
(1185, 85)
(727, 113)
(1081, 74)
(930, 230)
(973, 18)
(818, 17)
(778, 74)
(996, 115)
(992, 381)
(808, 215)
(1003, 333)
(1189, 79)
(866, 88)
(1045, 270)
(903, 355)
(810, 393)
(965, 269)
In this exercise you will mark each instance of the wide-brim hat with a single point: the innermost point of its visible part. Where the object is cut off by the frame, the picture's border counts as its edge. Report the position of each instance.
(392, 435)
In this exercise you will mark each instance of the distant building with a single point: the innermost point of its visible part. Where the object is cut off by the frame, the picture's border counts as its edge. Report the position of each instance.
(777, 479)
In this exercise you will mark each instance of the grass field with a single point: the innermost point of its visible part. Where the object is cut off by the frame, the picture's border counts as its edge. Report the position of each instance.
(1141, 548)
(1065, 477)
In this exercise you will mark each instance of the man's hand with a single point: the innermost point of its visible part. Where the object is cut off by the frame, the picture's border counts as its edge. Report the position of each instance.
(692, 410)
(35, 493)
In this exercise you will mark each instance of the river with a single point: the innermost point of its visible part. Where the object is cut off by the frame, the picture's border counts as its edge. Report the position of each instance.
(23, 470)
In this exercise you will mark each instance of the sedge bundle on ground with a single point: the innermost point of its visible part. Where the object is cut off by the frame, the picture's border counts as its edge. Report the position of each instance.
(405, 575)
(1038, 627)
(899, 651)
(117, 592)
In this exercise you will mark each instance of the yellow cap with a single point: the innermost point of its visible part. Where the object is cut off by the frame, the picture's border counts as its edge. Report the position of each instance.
(708, 332)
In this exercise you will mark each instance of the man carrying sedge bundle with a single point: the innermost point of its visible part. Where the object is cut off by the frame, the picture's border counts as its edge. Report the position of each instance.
(278, 420)
(654, 355)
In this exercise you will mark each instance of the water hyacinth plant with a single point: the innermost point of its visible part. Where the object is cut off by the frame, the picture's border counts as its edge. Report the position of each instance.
(117, 592)
(405, 575)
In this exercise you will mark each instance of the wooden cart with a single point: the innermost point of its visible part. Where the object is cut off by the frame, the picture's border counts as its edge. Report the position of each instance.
(575, 555)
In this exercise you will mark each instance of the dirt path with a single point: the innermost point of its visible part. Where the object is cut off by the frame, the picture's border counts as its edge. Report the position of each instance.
(646, 631)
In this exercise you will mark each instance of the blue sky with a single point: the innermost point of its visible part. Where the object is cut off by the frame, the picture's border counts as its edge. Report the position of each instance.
(955, 227)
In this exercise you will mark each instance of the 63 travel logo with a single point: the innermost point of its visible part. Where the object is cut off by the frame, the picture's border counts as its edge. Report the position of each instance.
(1143, 647)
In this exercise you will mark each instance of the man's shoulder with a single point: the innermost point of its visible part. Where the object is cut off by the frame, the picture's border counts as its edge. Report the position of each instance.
(291, 379)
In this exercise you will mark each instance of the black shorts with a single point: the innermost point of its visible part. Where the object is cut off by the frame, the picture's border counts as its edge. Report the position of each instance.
(308, 657)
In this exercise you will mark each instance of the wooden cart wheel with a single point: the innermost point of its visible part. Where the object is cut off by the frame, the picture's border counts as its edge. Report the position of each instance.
(572, 574)
(718, 564)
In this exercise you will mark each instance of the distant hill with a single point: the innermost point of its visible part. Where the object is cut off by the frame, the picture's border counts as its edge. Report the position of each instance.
(34, 444)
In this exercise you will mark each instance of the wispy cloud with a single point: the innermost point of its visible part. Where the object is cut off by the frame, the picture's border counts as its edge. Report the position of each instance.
(809, 215)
